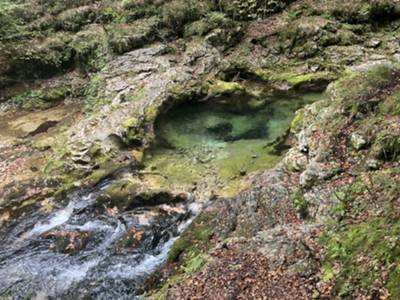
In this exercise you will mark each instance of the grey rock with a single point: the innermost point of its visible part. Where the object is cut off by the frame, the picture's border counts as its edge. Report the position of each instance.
(357, 141)
(374, 43)
(295, 160)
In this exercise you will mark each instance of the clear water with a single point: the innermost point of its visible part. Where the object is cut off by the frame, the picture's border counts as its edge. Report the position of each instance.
(105, 268)
(211, 145)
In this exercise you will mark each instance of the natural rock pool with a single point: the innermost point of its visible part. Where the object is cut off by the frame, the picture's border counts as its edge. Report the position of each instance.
(89, 248)
(211, 145)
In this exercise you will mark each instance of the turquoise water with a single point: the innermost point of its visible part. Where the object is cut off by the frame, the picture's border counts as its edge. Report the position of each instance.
(214, 123)
(217, 142)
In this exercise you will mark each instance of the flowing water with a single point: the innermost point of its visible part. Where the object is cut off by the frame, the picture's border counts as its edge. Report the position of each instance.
(109, 263)
(84, 250)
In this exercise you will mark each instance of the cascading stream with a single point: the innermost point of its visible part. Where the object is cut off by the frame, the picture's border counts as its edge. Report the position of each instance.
(38, 263)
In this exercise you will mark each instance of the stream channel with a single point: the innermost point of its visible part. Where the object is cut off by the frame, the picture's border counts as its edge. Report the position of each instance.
(85, 250)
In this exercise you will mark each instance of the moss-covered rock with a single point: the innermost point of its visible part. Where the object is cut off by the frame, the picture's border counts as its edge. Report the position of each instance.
(222, 87)
(177, 13)
(123, 37)
(360, 92)
(39, 58)
(41, 98)
(252, 9)
(311, 81)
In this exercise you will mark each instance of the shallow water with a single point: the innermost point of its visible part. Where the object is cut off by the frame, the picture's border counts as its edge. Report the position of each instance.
(105, 268)
(212, 145)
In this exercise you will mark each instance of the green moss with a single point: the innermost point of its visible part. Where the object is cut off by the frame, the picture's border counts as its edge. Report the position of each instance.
(300, 203)
(130, 123)
(292, 79)
(194, 241)
(355, 89)
(223, 87)
(177, 13)
(391, 105)
(298, 121)
(125, 37)
(295, 80)
(41, 98)
(105, 171)
(363, 251)
(358, 253)
(190, 250)
(194, 262)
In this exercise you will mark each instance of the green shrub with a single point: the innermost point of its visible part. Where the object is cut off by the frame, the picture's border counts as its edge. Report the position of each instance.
(177, 13)
(252, 9)
(359, 92)
(11, 26)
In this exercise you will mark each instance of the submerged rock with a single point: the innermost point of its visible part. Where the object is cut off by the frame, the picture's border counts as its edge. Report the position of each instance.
(68, 242)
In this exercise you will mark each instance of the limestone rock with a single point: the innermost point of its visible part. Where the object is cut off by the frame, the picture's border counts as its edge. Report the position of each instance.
(295, 160)
(357, 141)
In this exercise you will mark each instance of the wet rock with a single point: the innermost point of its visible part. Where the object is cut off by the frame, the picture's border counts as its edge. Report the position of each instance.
(29, 124)
(132, 238)
(129, 193)
(68, 242)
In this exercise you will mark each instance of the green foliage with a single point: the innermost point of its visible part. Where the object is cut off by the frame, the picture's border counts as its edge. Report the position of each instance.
(360, 11)
(205, 25)
(357, 91)
(391, 105)
(252, 9)
(91, 48)
(301, 203)
(11, 26)
(194, 263)
(135, 9)
(124, 37)
(75, 19)
(364, 251)
(40, 98)
(358, 254)
(387, 146)
(95, 94)
(177, 13)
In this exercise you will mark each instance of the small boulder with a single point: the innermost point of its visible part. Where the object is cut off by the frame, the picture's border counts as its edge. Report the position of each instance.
(357, 141)
(295, 160)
